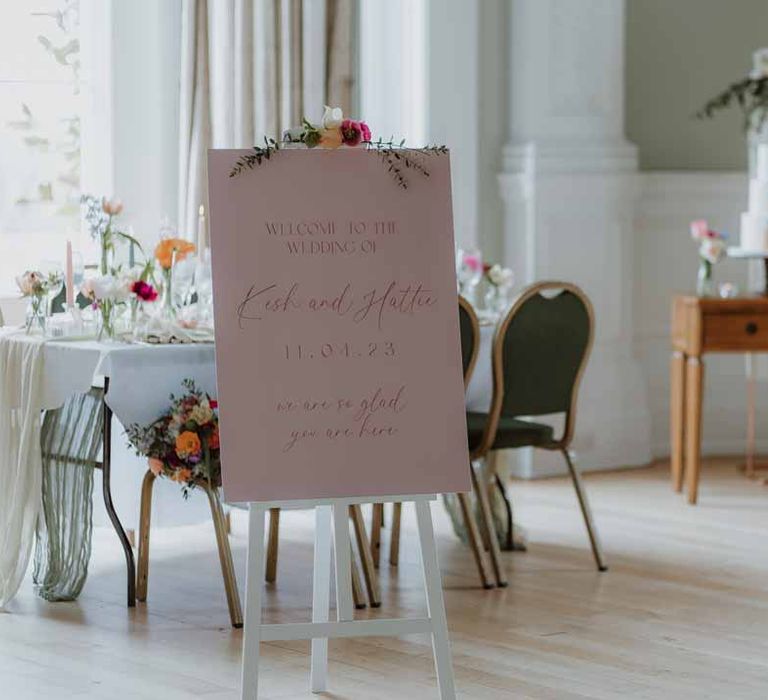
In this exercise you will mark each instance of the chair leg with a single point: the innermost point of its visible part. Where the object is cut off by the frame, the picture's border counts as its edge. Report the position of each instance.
(369, 569)
(586, 512)
(142, 574)
(394, 539)
(376, 516)
(474, 539)
(358, 596)
(486, 517)
(225, 557)
(270, 574)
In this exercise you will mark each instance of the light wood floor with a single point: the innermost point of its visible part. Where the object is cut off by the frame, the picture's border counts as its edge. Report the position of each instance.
(682, 613)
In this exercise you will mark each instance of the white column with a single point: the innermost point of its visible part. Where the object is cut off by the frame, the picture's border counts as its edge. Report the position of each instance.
(569, 184)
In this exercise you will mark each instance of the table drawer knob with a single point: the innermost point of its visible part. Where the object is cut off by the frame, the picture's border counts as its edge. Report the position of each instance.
(751, 328)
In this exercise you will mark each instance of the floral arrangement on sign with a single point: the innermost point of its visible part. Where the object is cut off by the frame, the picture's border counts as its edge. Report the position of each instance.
(712, 248)
(183, 443)
(334, 131)
(750, 94)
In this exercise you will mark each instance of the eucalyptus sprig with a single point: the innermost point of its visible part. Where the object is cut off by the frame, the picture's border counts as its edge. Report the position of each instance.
(750, 95)
(256, 157)
(396, 156)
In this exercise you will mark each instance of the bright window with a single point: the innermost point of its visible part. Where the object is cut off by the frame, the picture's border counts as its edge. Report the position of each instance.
(42, 93)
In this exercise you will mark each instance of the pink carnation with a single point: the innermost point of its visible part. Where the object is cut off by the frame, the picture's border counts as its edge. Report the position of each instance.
(144, 291)
(366, 132)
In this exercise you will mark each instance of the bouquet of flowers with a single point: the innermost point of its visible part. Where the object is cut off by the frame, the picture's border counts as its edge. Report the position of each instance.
(712, 244)
(183, 443)
(332, 132)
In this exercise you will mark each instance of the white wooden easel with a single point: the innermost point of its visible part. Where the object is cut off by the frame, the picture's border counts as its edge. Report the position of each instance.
(321, 628)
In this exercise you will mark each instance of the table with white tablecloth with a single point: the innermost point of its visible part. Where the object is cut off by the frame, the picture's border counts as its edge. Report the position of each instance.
(138, 380)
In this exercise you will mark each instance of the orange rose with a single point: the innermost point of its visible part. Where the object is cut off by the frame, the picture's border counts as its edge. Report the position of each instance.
(181, 475)
(187, 444)
(155, 466)
(165, 249)
(213, 441)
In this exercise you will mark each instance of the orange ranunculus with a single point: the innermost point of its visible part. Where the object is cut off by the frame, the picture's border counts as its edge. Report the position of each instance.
(187, 444)
(181, 475)
(330, 138)
(155, 466)
(164, 251)
(213, 441)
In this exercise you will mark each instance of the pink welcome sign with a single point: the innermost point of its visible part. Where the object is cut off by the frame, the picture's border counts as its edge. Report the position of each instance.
(337, 341)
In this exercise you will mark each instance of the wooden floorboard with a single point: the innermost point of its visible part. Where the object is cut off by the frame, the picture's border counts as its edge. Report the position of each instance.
(682, 613)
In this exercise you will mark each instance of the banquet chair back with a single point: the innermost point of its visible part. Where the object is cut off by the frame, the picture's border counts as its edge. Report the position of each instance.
(540, 352)
(469, 330)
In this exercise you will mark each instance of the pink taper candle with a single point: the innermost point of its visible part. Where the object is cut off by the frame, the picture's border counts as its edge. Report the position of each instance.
(69, 282)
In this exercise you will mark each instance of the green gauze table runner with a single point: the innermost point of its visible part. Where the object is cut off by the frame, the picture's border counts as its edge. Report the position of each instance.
(70, 441)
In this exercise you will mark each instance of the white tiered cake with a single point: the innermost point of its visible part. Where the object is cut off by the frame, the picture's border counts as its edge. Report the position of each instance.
(754, 223)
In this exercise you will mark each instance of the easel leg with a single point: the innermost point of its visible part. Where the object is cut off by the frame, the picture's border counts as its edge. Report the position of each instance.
(249, 689)
(441, 647)
(341, 551)
(321, 589)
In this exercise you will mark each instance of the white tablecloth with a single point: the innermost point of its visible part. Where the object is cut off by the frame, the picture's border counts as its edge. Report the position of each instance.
(480, 387)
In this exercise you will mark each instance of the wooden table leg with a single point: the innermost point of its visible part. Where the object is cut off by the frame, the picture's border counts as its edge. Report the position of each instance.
(694, 382)
(677, 417)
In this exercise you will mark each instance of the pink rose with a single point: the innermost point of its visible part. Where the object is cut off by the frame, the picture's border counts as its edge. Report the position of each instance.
(366, 132)
(351, 132)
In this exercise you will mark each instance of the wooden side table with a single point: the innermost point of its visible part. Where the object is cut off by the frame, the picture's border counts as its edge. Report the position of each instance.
(699, 325)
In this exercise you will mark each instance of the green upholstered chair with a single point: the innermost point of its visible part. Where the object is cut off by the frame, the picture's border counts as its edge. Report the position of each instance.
(540, 351)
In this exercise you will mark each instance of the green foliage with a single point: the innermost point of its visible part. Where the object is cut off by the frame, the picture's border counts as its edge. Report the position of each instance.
(749, 95)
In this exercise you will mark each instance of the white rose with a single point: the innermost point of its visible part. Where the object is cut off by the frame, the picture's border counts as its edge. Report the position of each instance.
(500, 276)
(332, 117)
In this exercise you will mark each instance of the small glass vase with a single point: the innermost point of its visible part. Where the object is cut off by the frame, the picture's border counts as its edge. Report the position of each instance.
(705, 284)
(496, 298)
(36, 314)
(105, 320)
(167, 309)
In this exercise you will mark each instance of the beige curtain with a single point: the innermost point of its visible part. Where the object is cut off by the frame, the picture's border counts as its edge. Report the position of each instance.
(253, 68)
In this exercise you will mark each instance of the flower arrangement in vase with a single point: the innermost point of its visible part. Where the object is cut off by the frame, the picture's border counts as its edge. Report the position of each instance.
(168, 253)
(712, 248)
(183, 443)
(34, 286)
